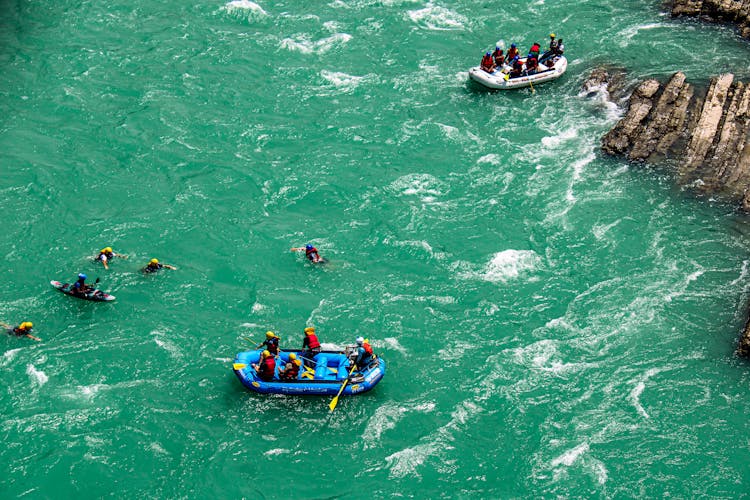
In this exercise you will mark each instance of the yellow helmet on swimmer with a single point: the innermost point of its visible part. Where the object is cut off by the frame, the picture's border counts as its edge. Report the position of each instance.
(266, 353)
(154, 261)
(26, 324)
(108, 249)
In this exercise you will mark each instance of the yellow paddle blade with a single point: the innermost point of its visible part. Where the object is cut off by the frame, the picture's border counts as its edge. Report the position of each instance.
(334, 402)
(239, 366)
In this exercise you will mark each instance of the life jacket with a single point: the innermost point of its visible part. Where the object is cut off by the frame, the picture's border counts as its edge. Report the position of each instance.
(553, 45)
(487, 62)
(312, 254)
(292, 371)
(273, 345)
(368, 348)
(311, 340)
(267, 368)
(535, 48)
(512, 52)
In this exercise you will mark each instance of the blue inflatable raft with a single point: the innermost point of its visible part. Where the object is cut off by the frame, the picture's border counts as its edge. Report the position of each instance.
(325, 378)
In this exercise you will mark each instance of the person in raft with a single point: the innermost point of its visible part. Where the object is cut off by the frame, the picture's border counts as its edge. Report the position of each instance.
(291, 369)
(154, 265)
(310, 345)
(22, 330)
(310, 252)
(488, 63)
(271, 343)
(512, 53)
(267, 366)
(106, 254)
(363, 355)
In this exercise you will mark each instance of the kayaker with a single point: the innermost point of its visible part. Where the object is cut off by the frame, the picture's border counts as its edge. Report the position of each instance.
(22, 330)
(106, 254)
(498, 57)
(80, 287)
(487, 63)
(363, 355)
(267, 366)
(512, 53)
(154, 265)
(291, 369)
(271, 343)
(310, 345)
(310, 252)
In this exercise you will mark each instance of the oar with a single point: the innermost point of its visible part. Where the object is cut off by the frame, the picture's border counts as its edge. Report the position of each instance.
(335, 400)
(532, 87)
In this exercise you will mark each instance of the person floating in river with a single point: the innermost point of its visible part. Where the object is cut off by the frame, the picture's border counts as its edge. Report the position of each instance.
(271, 343)
(266, 368)
(310, 252)
(154, 265)
(106, 254)
(22, 330)
(487, 64)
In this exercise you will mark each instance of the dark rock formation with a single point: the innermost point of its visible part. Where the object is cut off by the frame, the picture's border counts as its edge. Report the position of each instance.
(732, 11)
(705, 135)
(607, 79)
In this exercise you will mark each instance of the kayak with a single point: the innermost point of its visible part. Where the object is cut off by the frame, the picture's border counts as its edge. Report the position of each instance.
(95, 295)
(325, 379)
(500, 79)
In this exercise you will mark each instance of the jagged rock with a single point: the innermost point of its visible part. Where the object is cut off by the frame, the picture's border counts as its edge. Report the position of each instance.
(743, 348)
(707, 136)
(734, 11)
(607, 79)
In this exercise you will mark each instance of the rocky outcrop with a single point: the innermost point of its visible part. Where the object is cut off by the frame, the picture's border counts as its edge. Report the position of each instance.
(732, 11)
(703, 134)
(606, 79)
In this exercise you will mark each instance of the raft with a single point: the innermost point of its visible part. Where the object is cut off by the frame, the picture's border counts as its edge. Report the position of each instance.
(324, 379)
(499, 79)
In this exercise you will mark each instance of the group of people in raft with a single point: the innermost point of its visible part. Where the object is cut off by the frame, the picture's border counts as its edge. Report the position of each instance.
(510, 62)
(82, 289)
(266, 368)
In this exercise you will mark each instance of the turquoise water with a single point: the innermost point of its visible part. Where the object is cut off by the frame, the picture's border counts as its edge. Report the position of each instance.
(556, 323)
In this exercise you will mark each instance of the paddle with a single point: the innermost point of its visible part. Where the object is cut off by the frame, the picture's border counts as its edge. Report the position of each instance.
(532, 87)
(335, 400)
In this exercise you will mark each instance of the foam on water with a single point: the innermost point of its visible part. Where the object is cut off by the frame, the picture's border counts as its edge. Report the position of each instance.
(510, 264)
(434, 17)
(37, 376)
(245, 5)
(304, 45)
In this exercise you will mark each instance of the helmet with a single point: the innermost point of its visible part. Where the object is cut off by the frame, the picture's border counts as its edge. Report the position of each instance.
(154, 261)
(27, 324)
(308, 247)
(512, 45)
(103, 250)
(270, 335)
(497, 48)
(488, 54)
(292, 356)
(108, 249)
(552, 35)
(266, 353)
(310, 329)
(82, 276)
(360, 340)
